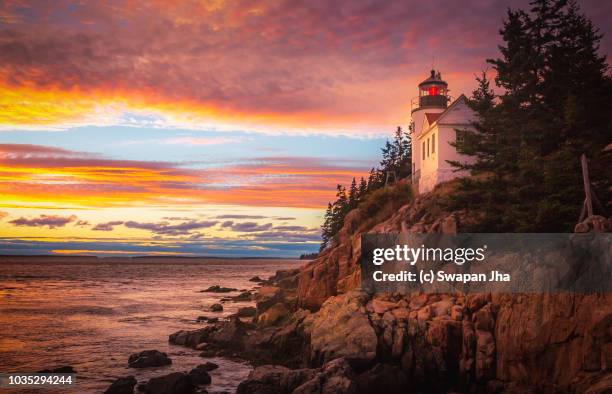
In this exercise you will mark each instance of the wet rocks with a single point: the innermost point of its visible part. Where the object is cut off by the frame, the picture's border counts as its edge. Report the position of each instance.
(229, 333)
(244, 296)
(268, 379)
(218, 289)
(199, 375)
(256, 279)
(148, 359)
(208, 366)
(191, 338)
(216, 308)
(247, 311)
(207, 319)
(122, 386)
(174, 383)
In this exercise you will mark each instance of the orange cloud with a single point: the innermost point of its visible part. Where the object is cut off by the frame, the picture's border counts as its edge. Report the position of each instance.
(277, 66)
(32, 173)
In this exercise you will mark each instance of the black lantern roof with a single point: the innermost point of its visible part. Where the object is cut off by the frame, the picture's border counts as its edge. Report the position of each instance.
(434, 79)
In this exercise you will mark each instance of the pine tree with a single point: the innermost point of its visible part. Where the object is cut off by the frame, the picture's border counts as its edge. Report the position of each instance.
(353, 195)
(363, 189)
(528, 140)
(326, 228)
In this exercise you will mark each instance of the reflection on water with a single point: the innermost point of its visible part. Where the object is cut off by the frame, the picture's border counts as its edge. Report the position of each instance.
(94, 314)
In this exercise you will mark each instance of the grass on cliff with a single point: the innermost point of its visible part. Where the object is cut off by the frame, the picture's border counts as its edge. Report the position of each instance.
(382, 203)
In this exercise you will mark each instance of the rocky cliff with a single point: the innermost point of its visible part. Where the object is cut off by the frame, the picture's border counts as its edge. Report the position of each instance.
(346, 341)
(440, 342)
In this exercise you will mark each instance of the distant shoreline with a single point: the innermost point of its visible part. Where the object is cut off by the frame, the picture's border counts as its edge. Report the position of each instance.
(85, 259)
(87, 256)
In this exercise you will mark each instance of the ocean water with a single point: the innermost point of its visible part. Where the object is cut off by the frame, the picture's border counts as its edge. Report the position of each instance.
(93, 313)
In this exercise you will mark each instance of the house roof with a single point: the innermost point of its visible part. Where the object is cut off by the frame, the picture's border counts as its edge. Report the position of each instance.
(440, 116)
(432, 117)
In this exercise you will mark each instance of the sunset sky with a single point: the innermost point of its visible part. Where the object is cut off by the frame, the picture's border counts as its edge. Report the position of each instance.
(212, 127)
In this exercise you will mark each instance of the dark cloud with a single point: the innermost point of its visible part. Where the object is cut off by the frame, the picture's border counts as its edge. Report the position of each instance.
(164, 228)
(285, 218)
(108, 226)
(247, 227)
(82, 223)
(51, 221)
(233, 216)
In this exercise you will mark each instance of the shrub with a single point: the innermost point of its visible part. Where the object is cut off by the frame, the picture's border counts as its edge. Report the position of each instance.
(385, 198)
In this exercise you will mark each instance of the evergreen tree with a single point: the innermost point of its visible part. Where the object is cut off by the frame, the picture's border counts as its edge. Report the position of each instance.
(353, 195)
(527, 141)
(396, 156)
(363, 189)
(326, 228)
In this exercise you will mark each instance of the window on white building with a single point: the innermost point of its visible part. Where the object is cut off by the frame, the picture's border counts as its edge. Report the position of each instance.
(428, 147)
(423, 149)
(433, 143)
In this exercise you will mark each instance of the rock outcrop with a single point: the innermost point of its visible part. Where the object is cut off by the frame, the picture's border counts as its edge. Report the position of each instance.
(174, 383)
(148, 359)
(342, 329)
(122, 386)
(340, 339)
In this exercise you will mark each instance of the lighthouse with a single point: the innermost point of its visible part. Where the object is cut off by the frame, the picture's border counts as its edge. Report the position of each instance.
(434, 122)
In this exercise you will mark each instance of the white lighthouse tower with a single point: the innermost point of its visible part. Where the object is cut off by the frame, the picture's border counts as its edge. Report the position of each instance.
(433, 126)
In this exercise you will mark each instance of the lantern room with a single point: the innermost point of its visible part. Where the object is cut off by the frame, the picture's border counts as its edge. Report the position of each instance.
(433, 92)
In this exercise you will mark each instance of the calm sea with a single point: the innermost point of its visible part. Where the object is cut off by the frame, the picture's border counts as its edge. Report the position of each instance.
(92, 314)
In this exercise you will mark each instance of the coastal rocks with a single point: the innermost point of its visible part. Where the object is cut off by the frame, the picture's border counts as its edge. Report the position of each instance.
(199, 375)
(218, 289)
(122, 386)
(277, 379)
(191, 338)
(285, 279)
(342, 329)
(229, 334)
(208, 366)
(148, 359)
(267, 296)
(272, 315)
(174, 383)
(216, 308)
(383, 378)
(207, 319)
(244, 296)
(284, 344)
(247, 311)
(256, 279)
(335, 377)
(571, 330)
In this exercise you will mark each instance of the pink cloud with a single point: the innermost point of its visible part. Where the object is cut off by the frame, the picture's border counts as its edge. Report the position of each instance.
(358, 60)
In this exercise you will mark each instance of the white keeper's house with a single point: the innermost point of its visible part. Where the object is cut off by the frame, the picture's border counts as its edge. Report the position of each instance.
(433, 125)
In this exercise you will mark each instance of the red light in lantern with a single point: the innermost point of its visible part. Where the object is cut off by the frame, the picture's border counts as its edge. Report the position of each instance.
(433, 91)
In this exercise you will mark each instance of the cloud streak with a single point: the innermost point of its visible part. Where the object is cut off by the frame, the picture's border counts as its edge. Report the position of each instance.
(50, 221)
(32, 172)
(251, 62)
